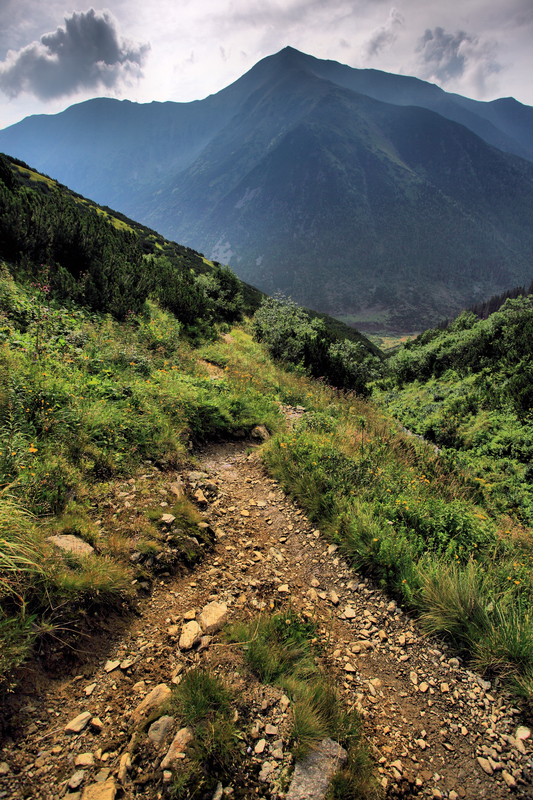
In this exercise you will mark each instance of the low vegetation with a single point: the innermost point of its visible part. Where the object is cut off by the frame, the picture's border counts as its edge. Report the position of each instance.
(282, 650)
(93, 391)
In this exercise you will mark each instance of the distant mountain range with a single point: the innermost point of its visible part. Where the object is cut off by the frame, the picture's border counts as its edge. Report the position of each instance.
(378, 198)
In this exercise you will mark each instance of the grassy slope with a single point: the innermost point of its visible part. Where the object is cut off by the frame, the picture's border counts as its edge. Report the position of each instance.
(421, 525)
(155, 244)
(440, 539)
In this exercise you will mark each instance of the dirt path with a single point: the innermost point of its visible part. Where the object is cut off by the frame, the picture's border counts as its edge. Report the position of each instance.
(436, 729)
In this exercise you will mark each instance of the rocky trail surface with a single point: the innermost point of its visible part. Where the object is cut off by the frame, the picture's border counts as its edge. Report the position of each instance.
(435, 729)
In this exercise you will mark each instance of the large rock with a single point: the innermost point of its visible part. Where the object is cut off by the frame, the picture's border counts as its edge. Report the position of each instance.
(71, 544)
(313, 774)
(213, 617)
(177, 748)
(159, 695)
(100, 791)
(160, 729)
(190, 634)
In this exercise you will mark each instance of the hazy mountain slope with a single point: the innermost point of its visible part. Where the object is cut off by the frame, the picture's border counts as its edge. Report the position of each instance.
(344, 203)
(505, 123)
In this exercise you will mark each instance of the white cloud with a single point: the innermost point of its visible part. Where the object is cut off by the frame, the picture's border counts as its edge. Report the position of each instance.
(384, 35)
(457, 58)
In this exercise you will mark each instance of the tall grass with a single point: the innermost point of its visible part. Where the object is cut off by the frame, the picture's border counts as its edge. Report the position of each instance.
(418, 524)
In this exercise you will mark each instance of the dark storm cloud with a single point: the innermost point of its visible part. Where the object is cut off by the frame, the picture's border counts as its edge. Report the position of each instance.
(87, 53)
(386, 34)
(444, 57)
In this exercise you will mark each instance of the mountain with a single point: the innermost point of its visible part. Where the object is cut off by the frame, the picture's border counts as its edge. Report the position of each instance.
(378, 198)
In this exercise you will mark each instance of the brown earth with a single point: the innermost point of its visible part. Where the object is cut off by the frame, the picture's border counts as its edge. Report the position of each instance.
(427, 718)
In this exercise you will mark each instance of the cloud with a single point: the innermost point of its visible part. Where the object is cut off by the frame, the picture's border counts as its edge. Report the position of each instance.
(87, 53)
(460, 57)
(385, 35)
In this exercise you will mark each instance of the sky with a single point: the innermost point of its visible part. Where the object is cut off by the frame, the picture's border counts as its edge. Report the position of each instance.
(54, 54)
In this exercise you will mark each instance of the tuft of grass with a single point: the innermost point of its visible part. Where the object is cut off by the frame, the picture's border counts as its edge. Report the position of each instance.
(203, 702)
(278, 649)
(201, 694)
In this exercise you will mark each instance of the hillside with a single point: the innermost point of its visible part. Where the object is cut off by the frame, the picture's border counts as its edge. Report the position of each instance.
(43, 221)
(468, 388)
(374, 197)
(211, 562)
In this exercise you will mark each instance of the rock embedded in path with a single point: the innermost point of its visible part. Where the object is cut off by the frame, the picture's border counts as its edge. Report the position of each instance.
(190, 634)
(160, 729)
(313, 774)
(71, 544)
(76, 780)
(159, 695)
(177, 748)
(77, 724)
(100, 791)
(213, 617)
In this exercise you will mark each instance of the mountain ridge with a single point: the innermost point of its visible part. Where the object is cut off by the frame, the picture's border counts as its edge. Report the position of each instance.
(308, 186)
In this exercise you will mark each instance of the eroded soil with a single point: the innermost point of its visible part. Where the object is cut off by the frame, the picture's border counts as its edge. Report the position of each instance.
(427, 718)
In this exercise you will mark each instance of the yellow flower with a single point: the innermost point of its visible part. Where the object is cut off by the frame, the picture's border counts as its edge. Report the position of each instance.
(32, 449)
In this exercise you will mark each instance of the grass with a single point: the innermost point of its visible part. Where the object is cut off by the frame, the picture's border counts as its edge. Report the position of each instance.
(278, 649)
(85, 402)
(203, 703)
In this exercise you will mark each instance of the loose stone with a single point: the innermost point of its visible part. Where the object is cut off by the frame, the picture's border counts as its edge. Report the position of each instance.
(190, 634)
(176, 749)
(213, 617)
(84, 760)
(153, 700)
(485, 765)
(77, 724)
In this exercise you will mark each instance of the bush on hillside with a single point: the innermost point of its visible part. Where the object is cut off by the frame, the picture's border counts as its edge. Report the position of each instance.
(293, 337)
